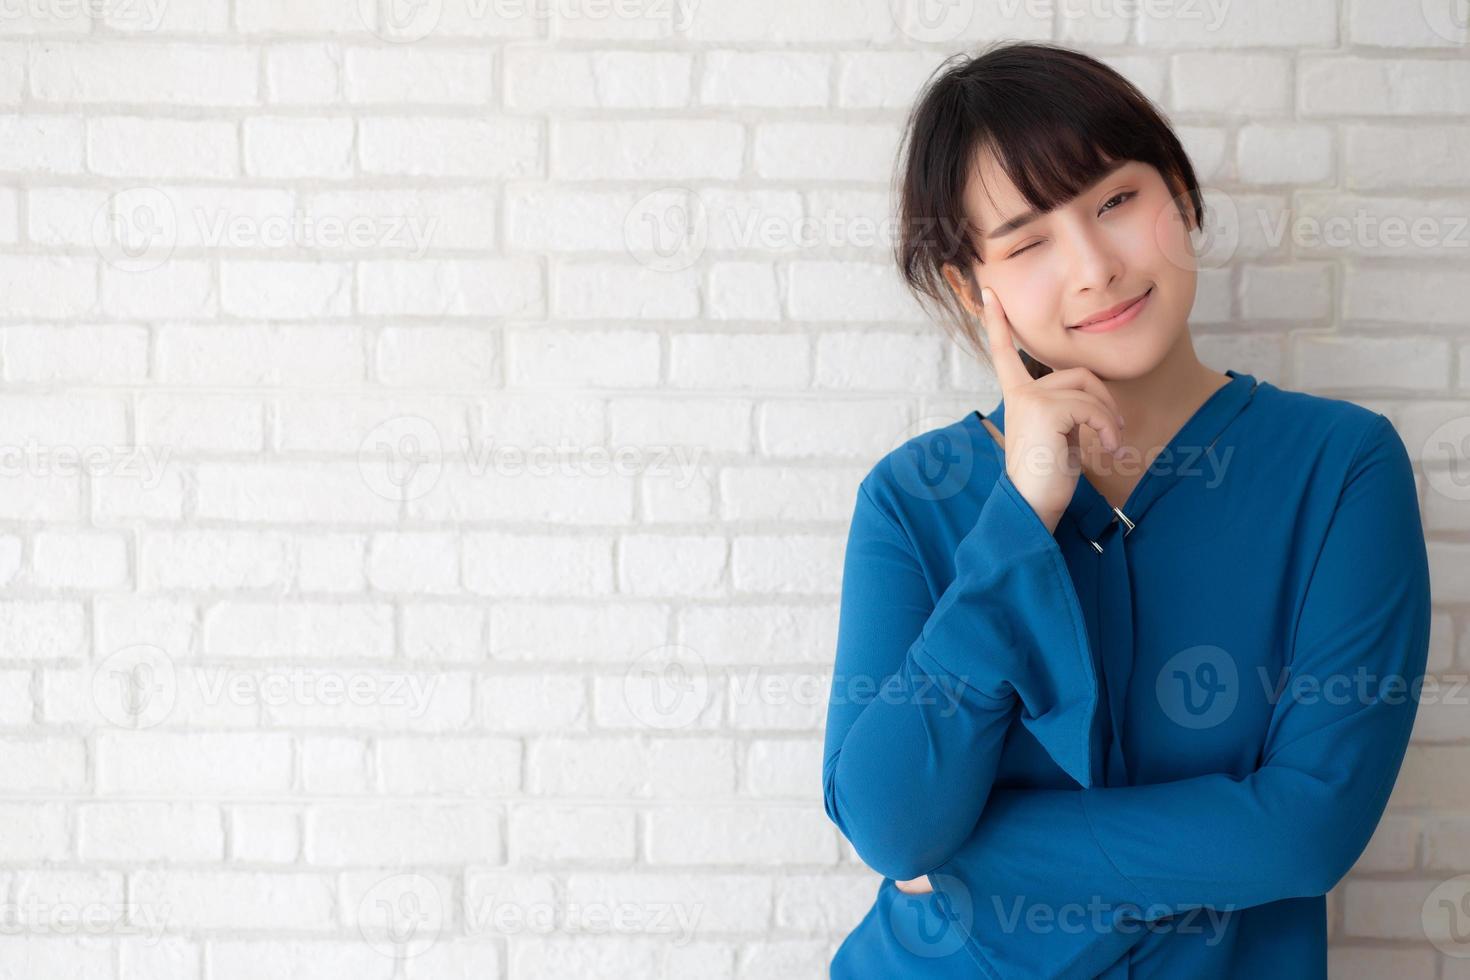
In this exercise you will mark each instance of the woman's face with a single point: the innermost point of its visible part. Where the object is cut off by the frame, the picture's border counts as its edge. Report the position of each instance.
(1118, 239)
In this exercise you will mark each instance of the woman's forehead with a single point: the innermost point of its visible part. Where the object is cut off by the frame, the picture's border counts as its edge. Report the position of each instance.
(990, 197)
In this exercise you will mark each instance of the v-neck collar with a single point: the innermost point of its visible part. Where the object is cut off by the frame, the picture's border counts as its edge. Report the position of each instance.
(1090, 510)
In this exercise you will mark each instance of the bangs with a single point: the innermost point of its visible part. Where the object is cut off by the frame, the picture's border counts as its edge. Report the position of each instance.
(1048, 168)
(1050, 144)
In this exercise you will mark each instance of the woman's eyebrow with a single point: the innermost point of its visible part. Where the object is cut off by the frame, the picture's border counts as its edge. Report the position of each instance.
(1010, 225)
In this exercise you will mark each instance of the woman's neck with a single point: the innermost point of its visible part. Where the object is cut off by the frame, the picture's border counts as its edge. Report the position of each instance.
(1154, 408)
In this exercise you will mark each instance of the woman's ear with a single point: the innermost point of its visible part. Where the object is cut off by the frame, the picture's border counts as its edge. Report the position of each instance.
(961, 285)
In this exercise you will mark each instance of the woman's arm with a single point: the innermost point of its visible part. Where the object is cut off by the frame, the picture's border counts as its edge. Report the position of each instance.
(1291, 828)
(923, 692)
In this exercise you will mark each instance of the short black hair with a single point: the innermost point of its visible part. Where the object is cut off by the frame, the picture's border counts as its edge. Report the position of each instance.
(1055, 119)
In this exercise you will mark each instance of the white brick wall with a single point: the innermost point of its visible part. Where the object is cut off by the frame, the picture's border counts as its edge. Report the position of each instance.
(294, 662)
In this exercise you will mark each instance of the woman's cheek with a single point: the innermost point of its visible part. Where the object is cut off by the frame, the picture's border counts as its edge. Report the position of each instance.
(1138, 245)
(1039, 293)
(1169, 238)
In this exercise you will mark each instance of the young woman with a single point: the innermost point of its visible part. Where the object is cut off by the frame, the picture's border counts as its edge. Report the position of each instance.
(1125, 670)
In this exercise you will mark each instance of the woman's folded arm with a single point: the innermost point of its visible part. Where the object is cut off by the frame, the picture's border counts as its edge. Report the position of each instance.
(924, 691)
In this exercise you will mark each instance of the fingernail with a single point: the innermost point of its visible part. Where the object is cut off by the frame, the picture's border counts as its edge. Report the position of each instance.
(1120, 421)
(984, 298)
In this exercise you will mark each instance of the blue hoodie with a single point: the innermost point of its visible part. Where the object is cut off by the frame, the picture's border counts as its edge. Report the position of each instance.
(1144, 744)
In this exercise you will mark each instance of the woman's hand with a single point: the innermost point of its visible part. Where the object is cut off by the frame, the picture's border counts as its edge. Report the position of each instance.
(1042, 452)
(916, 886)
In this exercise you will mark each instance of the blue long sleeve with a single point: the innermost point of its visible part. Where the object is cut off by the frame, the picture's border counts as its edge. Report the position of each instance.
(924, 690)
(1292, 827)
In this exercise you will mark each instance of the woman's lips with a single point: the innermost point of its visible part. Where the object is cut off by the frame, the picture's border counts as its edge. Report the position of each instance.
(1120, 319)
